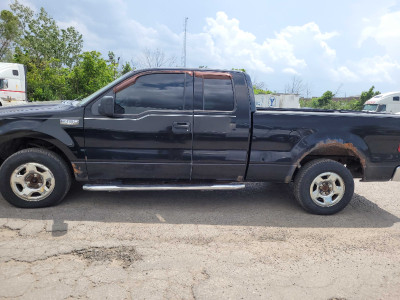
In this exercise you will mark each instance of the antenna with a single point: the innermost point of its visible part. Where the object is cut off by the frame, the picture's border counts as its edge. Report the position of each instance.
(184, 43)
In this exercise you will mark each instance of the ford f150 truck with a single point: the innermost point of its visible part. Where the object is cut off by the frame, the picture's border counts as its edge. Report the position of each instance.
(165, 129)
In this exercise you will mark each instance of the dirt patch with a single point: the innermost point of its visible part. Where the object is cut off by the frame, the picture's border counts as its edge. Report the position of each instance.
(127, 255)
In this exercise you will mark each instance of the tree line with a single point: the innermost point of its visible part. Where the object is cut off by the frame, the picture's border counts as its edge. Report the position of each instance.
(326, 101)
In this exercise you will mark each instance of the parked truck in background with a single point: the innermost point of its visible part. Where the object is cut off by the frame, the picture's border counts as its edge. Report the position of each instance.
(12, 84)
(192, 129)
(385, 103)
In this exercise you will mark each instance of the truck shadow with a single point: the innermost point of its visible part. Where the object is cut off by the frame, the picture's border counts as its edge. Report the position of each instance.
(259, 204)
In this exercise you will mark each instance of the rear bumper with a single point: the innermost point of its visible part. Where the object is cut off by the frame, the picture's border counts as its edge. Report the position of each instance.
(396, 175)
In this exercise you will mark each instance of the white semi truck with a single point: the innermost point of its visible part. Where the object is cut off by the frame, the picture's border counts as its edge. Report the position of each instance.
(387, 102)
(12, 84)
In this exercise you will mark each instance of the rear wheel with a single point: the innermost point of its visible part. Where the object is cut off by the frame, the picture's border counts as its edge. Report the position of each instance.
(34, 178)
(323, 187)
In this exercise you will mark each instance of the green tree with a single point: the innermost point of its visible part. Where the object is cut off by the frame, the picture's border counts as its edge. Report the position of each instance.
(324, 101)
(126, 68)
(365, 96)
(49, 52)
(45, 82)
(10, 31)
(43, 41)
(260, 91)
(91, 73)
(242, 70)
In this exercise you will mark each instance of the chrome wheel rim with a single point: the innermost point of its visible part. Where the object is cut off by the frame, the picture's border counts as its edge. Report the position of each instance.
(327, 189)
(32, 181)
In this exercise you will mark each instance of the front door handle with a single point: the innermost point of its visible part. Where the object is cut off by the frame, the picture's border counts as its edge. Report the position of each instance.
(180, 127)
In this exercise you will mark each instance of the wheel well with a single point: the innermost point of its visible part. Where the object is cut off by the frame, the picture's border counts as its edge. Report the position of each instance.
(10, 147)
(341, 153)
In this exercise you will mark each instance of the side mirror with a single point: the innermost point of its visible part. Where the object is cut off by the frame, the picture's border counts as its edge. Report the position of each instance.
(106, 107)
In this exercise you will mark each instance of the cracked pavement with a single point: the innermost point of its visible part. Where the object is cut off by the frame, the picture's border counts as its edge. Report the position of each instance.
(255, 243)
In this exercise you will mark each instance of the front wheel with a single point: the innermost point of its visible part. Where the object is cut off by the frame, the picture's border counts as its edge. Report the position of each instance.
(33, 178)
(323, 187)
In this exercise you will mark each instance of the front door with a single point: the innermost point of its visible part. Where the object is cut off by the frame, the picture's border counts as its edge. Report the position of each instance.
(150, 136)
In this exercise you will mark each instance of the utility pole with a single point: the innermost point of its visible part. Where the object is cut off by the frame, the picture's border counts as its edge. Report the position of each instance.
(115, 68)
(184, 43)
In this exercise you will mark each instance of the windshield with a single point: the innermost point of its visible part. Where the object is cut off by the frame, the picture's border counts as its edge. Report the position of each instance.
(97, 93)
(370, 107)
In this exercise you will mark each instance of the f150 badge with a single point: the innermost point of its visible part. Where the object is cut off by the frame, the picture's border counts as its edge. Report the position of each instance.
(69, 122)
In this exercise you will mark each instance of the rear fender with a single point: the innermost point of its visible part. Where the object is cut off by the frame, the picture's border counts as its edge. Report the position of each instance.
(324, 146)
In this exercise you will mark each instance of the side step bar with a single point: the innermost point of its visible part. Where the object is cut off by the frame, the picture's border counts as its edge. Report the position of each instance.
(161, 187)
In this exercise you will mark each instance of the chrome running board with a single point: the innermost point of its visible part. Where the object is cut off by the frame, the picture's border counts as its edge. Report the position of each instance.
(161, 187)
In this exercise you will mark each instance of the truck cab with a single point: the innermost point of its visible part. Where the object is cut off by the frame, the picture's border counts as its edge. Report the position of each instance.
(385, 103)
(12, 84)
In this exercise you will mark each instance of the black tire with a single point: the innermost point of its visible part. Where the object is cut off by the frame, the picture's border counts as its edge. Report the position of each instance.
(306, 184)
(61, 177)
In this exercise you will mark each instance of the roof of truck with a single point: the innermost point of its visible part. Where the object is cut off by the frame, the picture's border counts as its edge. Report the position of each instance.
(386, 95)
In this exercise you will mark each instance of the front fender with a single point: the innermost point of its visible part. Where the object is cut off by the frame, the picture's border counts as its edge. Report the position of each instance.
(48, 130)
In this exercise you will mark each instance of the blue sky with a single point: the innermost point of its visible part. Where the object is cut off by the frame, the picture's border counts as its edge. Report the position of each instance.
(347, 44)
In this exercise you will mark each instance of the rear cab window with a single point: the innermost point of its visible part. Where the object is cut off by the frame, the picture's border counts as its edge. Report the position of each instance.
(214, 91)
(218, 94)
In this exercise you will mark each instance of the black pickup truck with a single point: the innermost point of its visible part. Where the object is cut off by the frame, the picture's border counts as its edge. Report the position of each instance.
(166, 129)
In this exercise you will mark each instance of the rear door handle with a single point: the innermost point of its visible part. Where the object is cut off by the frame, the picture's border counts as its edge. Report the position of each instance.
(181, 127)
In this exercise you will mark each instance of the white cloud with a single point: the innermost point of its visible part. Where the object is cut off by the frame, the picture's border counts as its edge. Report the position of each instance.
(224, 44)
(344, 74)
(379, 68)
(386, 33)
(369, 69)
(290, 71)
(126, 37)
(299, 36)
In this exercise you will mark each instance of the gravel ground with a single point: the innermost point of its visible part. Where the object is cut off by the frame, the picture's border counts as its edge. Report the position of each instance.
(256, 243)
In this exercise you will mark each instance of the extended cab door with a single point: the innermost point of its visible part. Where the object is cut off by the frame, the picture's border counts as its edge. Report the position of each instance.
(150, 136)
(221, 136)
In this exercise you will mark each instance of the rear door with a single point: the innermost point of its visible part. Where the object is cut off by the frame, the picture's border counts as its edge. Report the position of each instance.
(221, 133)
(150, 136)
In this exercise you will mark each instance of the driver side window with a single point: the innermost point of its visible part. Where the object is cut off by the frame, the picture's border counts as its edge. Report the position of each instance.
(3, 84)
(163, 91)
(381, 108)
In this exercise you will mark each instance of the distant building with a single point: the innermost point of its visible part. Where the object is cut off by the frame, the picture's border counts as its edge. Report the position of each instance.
(277, 101)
